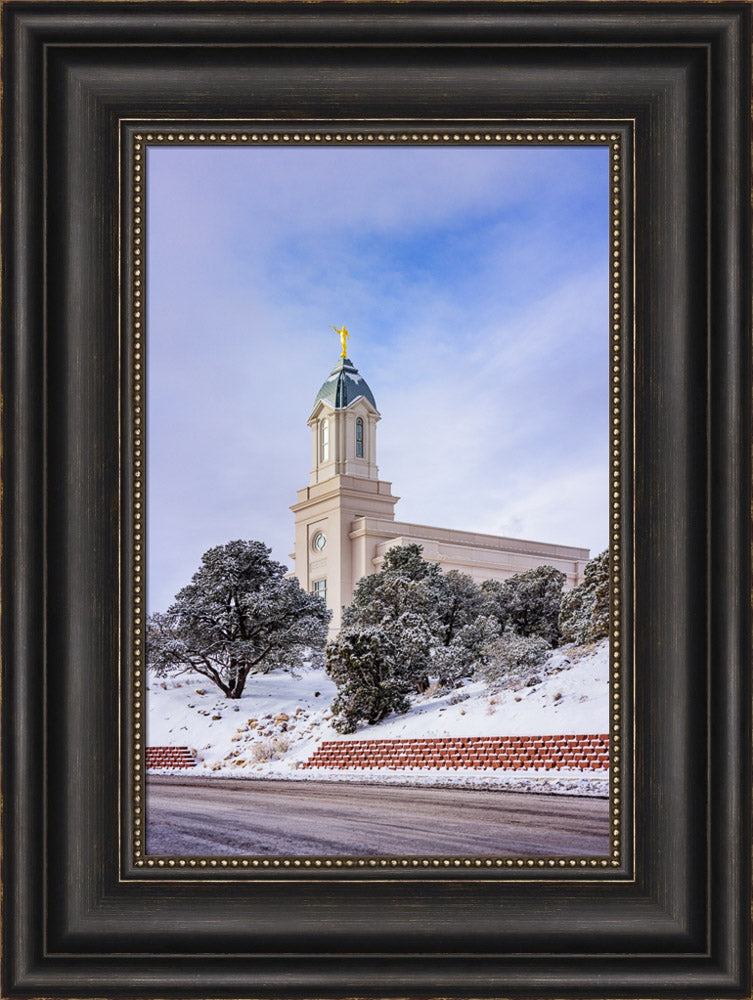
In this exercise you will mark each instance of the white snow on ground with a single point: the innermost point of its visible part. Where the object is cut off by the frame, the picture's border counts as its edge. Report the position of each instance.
(249, 736)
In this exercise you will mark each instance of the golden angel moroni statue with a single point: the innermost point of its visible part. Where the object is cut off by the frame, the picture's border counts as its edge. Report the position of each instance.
(343, 334)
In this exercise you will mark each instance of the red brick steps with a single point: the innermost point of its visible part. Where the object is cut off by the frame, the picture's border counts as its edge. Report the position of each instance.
(514, 753)
(178, 757)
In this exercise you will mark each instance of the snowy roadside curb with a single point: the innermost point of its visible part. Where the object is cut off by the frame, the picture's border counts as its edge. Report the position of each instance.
(566, 783)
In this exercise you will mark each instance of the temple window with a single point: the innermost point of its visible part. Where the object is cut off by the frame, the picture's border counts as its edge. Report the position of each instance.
(324, 440)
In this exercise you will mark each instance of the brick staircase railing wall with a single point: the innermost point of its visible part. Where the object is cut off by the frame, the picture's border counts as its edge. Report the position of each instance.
(177, 757)
(513, 753)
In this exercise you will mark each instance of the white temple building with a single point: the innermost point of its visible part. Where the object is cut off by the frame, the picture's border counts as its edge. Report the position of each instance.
(345, 517)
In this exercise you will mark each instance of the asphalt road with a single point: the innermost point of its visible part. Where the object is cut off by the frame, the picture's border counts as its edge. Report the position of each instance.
(193, 815)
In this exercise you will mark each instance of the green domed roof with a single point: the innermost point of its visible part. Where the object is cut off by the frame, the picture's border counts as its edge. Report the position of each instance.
(344, 386)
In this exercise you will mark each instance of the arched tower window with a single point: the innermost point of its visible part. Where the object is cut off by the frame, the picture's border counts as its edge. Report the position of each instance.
(359, 437)
(324, 440)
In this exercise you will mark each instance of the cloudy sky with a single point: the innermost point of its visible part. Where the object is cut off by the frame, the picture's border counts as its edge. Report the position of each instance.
(474, 283)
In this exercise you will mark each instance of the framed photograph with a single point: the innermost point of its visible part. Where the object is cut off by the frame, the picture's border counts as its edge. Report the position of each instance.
(376, 501)
(443, 686)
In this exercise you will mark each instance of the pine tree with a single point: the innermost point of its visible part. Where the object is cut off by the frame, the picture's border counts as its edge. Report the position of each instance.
(461, 602)
(584, 613)
(239, 614)
(528, 603)
(404, 600)
(463, 655)
(406, 584)
(371, 677)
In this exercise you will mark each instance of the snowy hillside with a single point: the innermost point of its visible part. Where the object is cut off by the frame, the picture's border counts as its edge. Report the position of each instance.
(281, 719)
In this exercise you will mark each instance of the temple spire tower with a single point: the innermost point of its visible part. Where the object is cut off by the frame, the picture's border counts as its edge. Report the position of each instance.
(345, 518)
(344, 487)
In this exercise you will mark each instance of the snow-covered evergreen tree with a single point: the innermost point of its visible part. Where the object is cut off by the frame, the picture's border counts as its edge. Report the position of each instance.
(528, 603)
(239, 614)
(511, 656)
(461, 602)
(404, 600)
(584, 612)
(371, 677)
(463, 655)
(411, 622)
(406, 584)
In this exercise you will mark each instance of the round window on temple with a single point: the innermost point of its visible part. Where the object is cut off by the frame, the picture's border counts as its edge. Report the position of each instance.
(320, 540)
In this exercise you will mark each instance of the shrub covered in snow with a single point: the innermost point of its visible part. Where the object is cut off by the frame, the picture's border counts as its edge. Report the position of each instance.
(269, 749)
(584, 612)
(466, 651)
(512, 657)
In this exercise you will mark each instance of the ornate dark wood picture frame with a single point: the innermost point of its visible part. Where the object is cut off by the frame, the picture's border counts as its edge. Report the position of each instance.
(83, 914)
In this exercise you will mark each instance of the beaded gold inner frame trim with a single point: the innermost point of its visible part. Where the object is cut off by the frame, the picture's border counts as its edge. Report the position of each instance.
(618, 136)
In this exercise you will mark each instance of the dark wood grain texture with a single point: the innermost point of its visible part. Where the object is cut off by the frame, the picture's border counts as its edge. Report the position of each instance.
(77, 920)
